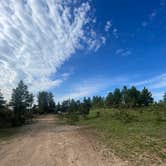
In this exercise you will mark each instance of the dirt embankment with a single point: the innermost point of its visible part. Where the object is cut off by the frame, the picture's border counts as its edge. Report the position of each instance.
(47, 144)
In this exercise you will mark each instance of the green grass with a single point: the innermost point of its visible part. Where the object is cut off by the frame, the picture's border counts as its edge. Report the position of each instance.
(142, 141)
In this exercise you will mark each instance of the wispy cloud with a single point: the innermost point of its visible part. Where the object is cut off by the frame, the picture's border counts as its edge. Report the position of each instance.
(153, 83)
(108, 25)
(154, 13)
(123, 52)
(90, 87)
(36, 37)
(115, 33)
(103, 85)
(156, 84)
(82, 89)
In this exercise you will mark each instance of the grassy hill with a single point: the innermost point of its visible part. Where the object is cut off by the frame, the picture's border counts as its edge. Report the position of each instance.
(135, 135)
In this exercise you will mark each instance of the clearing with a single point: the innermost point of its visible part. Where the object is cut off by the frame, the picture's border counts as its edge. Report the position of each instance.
(47, 143)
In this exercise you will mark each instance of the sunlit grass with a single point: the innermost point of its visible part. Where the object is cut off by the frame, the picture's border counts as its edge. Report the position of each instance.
(143, 138)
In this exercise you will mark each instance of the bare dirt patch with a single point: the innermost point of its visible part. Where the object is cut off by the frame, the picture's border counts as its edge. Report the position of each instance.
(46, 143)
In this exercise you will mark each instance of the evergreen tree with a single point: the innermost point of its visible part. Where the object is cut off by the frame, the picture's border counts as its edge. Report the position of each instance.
(146, 97)
(117, 97)
(45, 102)
(58, 108)
(109, 100)
(2, 101)
(21, 100)
(42, 102)
(97, 102)
(30, 101)
(133, 96)
(51, 102)
(86, 105)
(125, 96)
(164, 98)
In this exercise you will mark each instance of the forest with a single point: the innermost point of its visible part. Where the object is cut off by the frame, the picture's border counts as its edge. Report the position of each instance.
(21, 108)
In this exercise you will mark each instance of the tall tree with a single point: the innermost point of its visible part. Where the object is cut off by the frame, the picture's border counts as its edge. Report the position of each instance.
(42, 99)
(146, 97)
(164, 97)
(134, 96)
(86, 105)
(58, 108)
(45, 102)
(97, 102)
(109, 99)
(117, 97)
(125, 96)
(51, 102)
(2, 101)
(21, 100)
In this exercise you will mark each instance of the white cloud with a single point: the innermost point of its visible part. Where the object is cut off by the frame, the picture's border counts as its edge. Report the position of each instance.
(78, 92)
(123, 52)
(156, 84)
(90, 87)
(108, 26)
(36, 37)
(115, 33)
(158, 95)
(82, 89)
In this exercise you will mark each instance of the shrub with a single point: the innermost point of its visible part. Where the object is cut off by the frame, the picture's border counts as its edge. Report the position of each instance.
(98, 114)
(72, 117)
(160, 115)
(6, 118)
(124, 116)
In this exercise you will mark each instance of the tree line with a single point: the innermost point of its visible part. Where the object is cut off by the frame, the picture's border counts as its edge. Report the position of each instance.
(21, 108)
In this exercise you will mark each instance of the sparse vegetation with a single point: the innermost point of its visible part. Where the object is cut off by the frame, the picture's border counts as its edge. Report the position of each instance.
(127, 120)
(136, 135)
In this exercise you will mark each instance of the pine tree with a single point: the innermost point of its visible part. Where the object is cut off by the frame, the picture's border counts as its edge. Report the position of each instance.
(133, 96)
(51, 102)
(146, 97)
(109, 99)
(117, 97)
(46, 102)
(2, 101)
(164, 98)
(125, 96)
(86, 105)
(97, 102)
(21, 101)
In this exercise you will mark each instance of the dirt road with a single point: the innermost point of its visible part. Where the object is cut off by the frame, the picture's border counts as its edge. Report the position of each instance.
(47, 144)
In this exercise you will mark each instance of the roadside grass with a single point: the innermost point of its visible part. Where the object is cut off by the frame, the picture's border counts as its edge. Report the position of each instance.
(141, 140)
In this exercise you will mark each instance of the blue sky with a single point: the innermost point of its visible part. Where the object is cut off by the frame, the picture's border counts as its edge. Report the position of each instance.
(83, 48)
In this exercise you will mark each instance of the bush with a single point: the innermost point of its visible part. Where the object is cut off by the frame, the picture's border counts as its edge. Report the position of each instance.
(6, 118)
(72, 117)
(160, 115)
(124, 116)
(98, 114)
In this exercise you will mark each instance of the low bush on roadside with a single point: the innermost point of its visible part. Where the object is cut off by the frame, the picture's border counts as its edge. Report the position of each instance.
(6, 118)
(124, 116)
(72, 117)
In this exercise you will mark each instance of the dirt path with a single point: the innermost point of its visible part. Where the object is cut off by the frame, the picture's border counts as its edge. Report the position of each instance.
(47, 144)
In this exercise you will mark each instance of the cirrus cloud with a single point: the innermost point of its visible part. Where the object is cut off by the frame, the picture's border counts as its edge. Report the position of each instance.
(38, 36)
